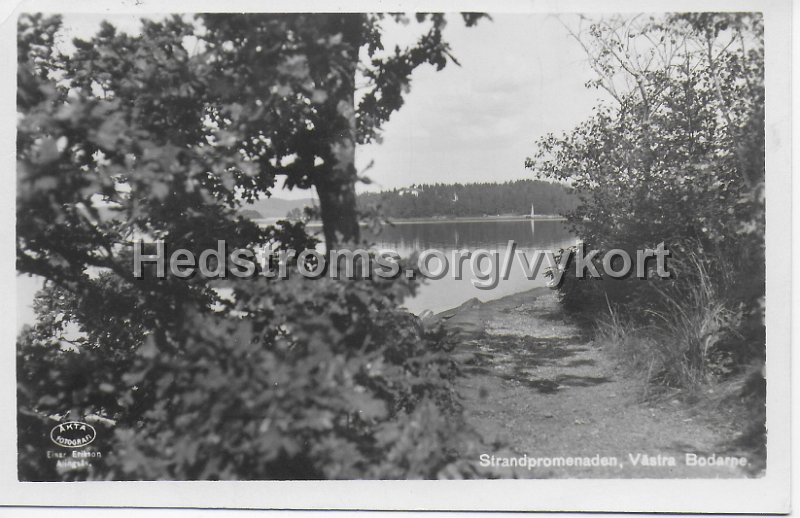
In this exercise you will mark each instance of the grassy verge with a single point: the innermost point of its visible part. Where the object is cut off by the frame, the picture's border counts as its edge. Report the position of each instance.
(683, 346)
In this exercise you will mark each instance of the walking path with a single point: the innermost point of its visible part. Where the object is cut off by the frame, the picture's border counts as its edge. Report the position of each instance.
(533, 386)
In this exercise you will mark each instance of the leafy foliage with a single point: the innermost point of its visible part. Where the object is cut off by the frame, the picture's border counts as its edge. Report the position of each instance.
(136, 137)
(675, 156)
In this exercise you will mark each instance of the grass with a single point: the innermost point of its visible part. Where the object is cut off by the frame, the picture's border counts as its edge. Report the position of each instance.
(674, 341)
(676, 348)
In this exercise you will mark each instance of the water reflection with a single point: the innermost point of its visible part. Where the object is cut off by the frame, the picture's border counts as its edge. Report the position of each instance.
(439, 295)
(448, 235)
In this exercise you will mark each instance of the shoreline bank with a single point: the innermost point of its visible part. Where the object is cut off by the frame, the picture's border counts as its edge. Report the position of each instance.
(418, 221)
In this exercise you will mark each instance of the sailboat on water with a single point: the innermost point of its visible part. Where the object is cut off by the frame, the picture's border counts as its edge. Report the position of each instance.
(532, 214)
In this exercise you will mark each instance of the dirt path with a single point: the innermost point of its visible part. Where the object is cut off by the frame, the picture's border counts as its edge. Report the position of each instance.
(534, 387)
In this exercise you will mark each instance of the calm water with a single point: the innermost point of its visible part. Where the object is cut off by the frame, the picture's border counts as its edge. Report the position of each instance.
(436, 295)
(447, 292)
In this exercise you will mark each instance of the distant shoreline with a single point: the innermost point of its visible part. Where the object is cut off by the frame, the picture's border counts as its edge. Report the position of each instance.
(478, 219)
(428, 220)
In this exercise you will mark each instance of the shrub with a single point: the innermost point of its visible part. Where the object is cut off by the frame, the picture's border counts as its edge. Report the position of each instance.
(675, 156)
(284, 379)
(298, 378)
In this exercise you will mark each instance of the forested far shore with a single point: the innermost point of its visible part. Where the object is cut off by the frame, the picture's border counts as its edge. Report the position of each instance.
(517, 197)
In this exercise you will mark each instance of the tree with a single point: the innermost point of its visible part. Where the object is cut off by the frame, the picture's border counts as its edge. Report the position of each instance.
(478, 199)
(675, 155)
(306, 67)
(134, 136)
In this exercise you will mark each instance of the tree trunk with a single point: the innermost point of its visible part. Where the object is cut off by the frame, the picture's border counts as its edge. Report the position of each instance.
(335, 184)
(337, 201)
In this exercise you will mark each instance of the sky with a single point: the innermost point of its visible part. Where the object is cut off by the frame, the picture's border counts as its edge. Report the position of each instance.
(521, 76)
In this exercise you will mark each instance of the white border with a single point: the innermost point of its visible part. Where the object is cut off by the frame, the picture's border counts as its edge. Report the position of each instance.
(768, 494)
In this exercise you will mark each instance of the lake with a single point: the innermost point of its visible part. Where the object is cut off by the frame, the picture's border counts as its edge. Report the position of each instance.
(490, 234)
(406, 238)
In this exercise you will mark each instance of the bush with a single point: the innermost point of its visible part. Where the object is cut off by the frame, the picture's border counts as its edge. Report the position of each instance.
(280, 379)
(297, 379)
(676, 156)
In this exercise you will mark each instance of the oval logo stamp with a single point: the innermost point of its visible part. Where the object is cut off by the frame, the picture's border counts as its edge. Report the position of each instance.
(73, 434)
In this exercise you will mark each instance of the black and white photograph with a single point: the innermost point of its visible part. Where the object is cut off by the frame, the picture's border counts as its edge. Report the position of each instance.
(510, 256)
